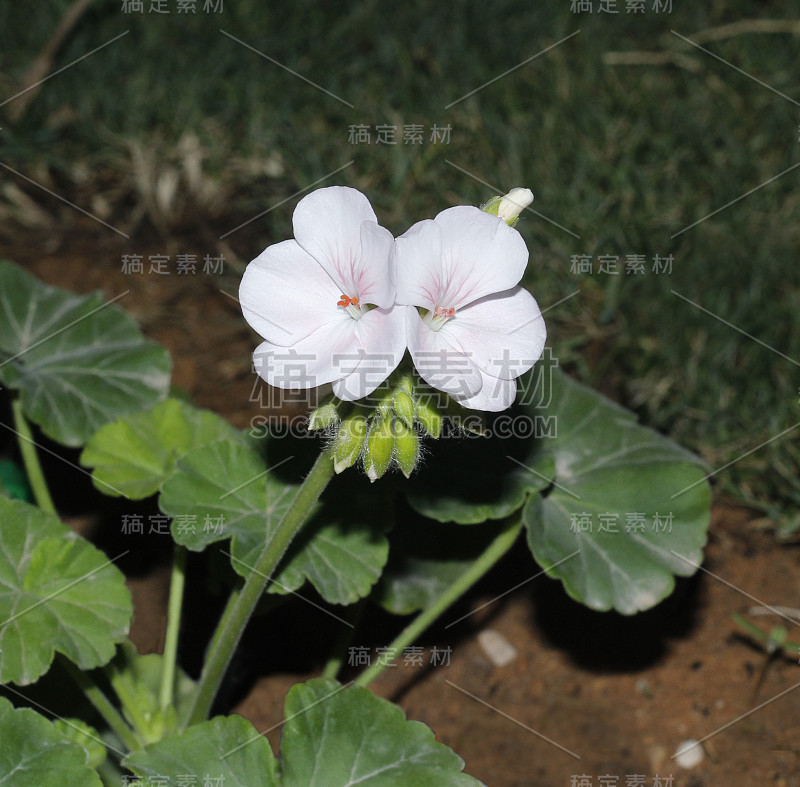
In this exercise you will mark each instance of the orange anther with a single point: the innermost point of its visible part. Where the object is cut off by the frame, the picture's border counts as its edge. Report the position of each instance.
(348, 301)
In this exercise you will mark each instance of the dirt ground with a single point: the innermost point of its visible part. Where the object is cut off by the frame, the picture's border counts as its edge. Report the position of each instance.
(590, 699)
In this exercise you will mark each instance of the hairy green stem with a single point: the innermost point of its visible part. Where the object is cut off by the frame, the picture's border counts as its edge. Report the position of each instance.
(102, 705)
(174, 606)
(30, 459)
(234, 619)
(501, 544)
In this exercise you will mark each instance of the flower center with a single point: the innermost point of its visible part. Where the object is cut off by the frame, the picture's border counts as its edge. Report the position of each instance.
(439, 316)
(352, 305)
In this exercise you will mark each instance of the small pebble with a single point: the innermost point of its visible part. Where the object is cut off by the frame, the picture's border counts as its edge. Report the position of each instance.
(497, 648)
(689, 754)
(644, 688)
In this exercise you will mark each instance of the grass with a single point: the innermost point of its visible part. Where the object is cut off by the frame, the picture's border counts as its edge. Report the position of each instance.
(179, 127)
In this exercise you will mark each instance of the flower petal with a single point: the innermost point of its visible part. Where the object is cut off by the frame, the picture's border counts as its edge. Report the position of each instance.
(381, 337)
(329, 225)
(326, 355)
(374, 275)
(495, 395)
(286, 295)
(419, 265)
(439, 361)
(481, 255)
(504, 333)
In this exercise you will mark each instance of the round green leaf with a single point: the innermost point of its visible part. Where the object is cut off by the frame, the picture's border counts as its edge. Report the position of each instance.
(86, 736)
(340, 550)
(628, 508)
(227, 750)
(469, 478)
(33, 751)
(57, 593)
(219, 492)
(337, 737)
(133, 455)
(77, 362)
(222, 491)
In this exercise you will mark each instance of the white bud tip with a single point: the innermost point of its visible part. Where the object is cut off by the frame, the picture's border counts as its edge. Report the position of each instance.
(514, 203)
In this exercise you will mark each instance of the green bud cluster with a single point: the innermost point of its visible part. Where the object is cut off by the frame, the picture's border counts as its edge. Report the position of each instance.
(385, 434)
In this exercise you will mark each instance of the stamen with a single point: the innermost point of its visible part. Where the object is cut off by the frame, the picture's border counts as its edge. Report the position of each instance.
(439, 316)
(346, 301)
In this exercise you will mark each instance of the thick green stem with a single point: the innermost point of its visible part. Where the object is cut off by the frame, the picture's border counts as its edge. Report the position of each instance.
(343, 639)
(30, 459)
(169, 661)
(234, 619)
(501, 544)
(102, 705)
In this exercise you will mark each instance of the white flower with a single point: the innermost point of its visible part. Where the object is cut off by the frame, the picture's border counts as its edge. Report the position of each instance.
(479, 331)
(322, 302)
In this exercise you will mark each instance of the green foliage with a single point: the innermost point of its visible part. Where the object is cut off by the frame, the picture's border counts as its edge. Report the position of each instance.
(426, 558)
(57, 593)
(333, 737)
(85, 735)
(14, 482)
(228, 749)
(133, 455)
(643, 501)
(76, 361)
(34, 751)
(137, 681)
(226, 489)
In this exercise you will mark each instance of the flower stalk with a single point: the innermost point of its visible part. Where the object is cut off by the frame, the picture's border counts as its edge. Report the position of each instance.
(232, 624)
(30, 459)
(501, 544)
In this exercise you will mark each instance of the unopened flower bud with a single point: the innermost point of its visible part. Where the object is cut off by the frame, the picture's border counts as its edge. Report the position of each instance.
(513, 204)
(403, 406)
(380, 446)
(406, 445)
(429, 416)
(349, 441)
(510, 206)
(323, 416)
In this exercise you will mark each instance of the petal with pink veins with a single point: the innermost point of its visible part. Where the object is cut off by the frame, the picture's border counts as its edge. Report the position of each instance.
(286, 295)
(329, 225)
(326, 355)
(418, 265)
(481, 255)
(440, 361)
(381, 338)
(504, 333)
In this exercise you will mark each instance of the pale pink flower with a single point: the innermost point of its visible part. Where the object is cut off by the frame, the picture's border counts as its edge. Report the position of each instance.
(475, 330)
(323, 302)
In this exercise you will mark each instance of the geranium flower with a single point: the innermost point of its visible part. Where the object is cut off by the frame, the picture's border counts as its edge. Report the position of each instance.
(322, 302)
(477, 331)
